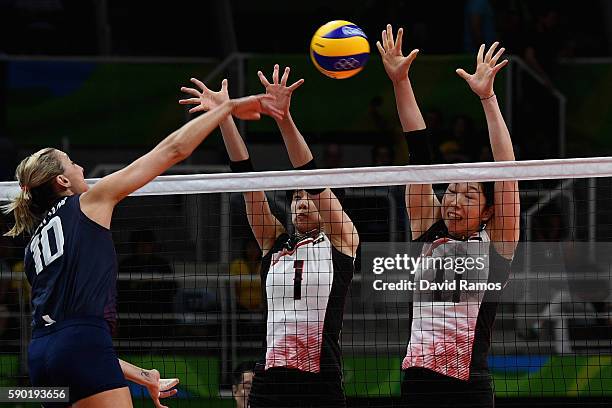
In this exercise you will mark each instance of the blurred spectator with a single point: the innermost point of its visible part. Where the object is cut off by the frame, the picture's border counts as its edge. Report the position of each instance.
(242, 380)
(545, 42)
(332, 156)
(548, 224)
(10, 262)
(513, 16)
(144, 257)
(153, 294)
(248, 289)
(382, 155)
(461, 142)
(479, 25)
(382, 124)
(584, 303)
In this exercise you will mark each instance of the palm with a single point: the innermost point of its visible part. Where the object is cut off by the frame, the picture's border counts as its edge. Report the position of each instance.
(396, 64)
(283, 97)
(481, 81)
(393, 65)
(279, 89)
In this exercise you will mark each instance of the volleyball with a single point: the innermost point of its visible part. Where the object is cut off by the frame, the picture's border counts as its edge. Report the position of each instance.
(339, 49)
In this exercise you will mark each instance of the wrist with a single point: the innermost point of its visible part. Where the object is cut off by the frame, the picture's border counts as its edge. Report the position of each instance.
(403, 81)
(227, 106)
(285, 119)
(487, 97)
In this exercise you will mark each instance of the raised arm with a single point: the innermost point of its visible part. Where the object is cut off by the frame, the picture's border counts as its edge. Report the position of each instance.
(338, 225)
(504, 226)
(422, 205)
(98, 203)
(264, 224)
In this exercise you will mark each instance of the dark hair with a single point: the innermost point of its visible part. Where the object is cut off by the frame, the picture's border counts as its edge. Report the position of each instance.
(240, 369)
(488, 189)
(339, 192)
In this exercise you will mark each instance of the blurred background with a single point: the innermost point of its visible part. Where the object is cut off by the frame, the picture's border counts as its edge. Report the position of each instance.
(100, 80)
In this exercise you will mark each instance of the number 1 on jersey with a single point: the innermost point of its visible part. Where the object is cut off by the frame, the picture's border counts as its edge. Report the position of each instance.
(297, 279)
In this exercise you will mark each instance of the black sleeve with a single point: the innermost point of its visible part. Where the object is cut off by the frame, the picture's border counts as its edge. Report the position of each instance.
(242, 166)
(419, 147)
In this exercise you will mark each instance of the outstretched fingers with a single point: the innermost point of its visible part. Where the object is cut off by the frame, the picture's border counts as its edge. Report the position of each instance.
(500, 66)
(296, 85)
(385, 41)
(285, 76)
(190, 101)
(199, 83)
(497, 56)
(491, 51)
(390, 36)
(413, 54)
(398, 41)
(461, 72)
(191, 91)
(198, 108)
(480, 56)
(262, 78)
(381, 50)
(275, 74)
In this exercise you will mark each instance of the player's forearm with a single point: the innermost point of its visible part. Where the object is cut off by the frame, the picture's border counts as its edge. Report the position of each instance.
(297, 148)
(134, 373)
(407, 107)
(499, 136)
(234, 144)
(186, 139)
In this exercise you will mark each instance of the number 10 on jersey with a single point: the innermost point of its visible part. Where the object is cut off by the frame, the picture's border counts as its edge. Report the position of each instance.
(41, 244)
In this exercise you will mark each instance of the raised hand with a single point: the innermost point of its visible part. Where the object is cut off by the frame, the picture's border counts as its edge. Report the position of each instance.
(204, 99)
(481, 81)
(248, 108)
(280, 90)
(396, 64)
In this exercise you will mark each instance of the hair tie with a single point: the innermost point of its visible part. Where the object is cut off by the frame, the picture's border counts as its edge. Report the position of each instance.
(25, 189)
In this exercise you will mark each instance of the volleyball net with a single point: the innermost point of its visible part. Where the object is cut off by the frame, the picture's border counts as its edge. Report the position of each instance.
(190, 294)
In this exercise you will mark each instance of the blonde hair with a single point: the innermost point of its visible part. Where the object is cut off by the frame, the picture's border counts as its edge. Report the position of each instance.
(33, 174)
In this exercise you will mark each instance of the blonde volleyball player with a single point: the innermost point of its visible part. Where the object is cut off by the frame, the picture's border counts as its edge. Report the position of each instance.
(306, 273)
(71, 262)
(450, 331)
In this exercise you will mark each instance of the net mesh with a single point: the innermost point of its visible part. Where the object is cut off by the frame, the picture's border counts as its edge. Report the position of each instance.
(190, 300)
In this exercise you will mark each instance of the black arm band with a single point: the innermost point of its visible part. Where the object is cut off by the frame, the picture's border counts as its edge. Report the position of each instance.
(311, 165)
(242, 166)
(419, 149)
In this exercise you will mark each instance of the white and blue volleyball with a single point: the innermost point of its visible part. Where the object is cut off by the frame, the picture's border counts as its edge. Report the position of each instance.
(339, 49)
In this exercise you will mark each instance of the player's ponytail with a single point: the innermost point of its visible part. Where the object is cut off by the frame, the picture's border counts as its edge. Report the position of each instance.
(35, 175)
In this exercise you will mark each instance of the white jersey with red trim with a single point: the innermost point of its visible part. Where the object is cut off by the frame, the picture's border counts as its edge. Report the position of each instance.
(306, 282)
(444, 318)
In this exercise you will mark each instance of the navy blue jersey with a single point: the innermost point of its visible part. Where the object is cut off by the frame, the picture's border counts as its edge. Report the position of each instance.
(71, 265)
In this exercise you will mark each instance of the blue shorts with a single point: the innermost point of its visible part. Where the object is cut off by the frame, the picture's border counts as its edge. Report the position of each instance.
(78, 354)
